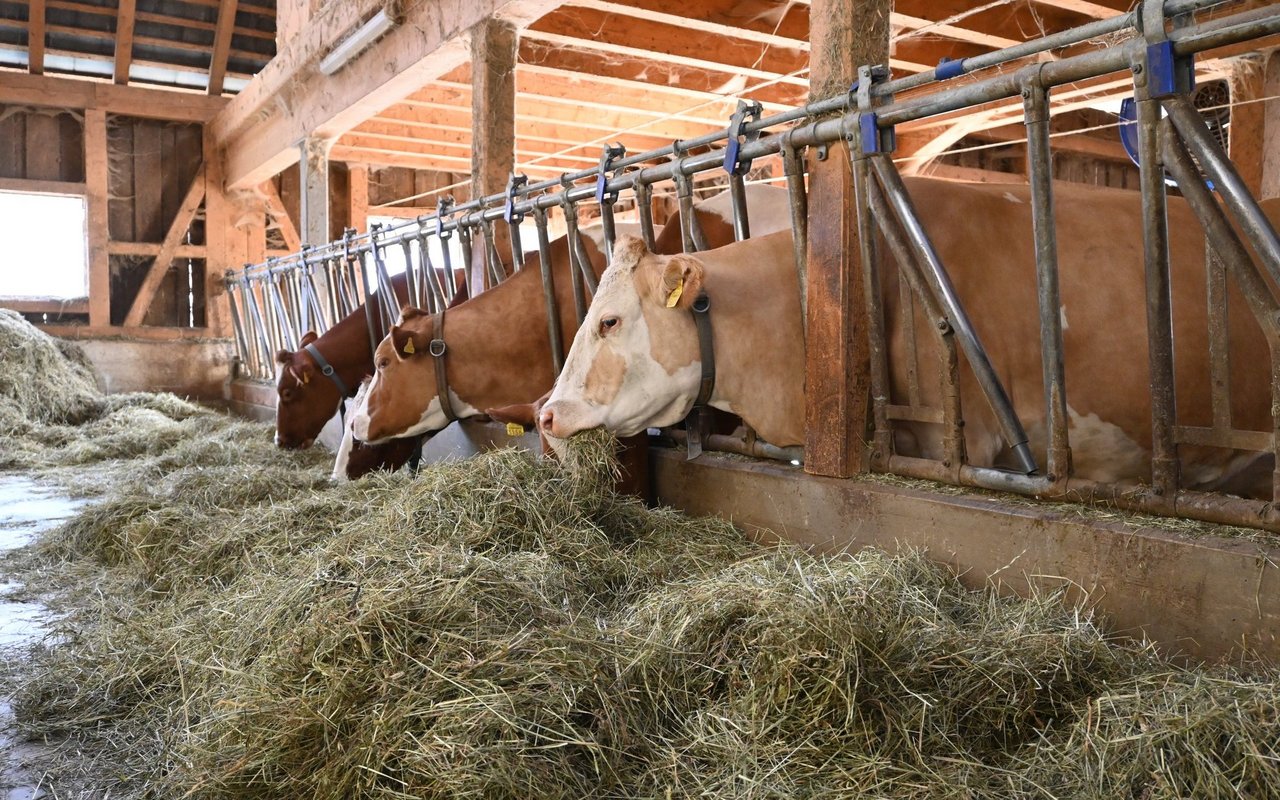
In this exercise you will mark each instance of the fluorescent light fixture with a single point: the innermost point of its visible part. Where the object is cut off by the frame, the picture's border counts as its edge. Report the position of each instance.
(351, 46)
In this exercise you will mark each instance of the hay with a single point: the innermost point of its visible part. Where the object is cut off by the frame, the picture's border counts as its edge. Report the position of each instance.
(499, 627)
(42, 379)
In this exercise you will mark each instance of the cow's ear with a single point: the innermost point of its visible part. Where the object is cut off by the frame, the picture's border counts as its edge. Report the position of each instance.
(408, 312)
(680, 282)
(461, 292)
(406, 342)
(283, 356)
(307, 338)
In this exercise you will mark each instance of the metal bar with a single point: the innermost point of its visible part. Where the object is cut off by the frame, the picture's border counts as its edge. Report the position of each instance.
(793, 166)
(578, 253)
(449, 279)
(366, 301)
(1255, 225)
(549, 292)
(414, 294)
(1219, 351)
(878, 350)
(738, 201)
(608, 229)
(1164, 457)
(496, 272)
(938, 280)
(313, 299)
(1040, 174)
(289, 335)
(517, 247)
(731, 444)
(468, 253)
(237, 324)
(259, 326)
(643, 209)
(431, 276)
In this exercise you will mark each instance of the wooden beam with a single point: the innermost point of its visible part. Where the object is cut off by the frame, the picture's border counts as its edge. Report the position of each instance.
(148, 333)
(135, 101)
(1270, 133)
(280, 216)
(922, 147)
(97, 192)
(35, 37)
(41, 187)
(124, 41)
(172, 239)
(1086, 8)
(221, 46)
(152, 249)
(260, 133)
(358, 197)
(493, 124)
(313, 210)
(46, 305)
(845, 34)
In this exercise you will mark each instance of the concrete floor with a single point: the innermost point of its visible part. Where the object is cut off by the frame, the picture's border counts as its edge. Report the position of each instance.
(27, 509)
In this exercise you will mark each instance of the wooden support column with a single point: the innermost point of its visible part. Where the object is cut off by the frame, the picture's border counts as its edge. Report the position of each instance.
(843, 35)
(358, 197)
(493, 123)
(124, 40)
(35, 37)
(96, 194)
(1270, 133)
(314, 217)
(225, 245)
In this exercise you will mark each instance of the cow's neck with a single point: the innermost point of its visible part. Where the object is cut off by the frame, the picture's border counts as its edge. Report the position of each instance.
(759, 343)
(346, 347)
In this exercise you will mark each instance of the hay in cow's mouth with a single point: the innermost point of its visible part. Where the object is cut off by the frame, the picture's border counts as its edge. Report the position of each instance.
(500, 627)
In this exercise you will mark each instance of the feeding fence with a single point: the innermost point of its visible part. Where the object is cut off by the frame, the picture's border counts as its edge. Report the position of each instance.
(273, 302)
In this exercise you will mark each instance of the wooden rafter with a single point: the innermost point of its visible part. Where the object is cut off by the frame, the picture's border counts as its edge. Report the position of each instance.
(19, 89)
(35, 37)
(280, 216)
(221, 46)
(168, 249)
(111, 12)
(124, 40)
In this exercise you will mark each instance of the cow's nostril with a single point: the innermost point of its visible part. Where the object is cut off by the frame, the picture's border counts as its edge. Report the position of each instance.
(546, 419)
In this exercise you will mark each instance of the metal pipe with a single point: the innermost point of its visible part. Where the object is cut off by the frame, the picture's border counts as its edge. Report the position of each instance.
(738, 201)
(575, 265)
(793, 166)
(468, 256)
(1253, 222)
(1040, 173)
(579, 252)
(644, 197)
(449, 280)
(936, 276)
(517, 247)
(497, 273)
(416, 297)
(608, 229)
(1164, 457)
(549, 292)
(287, 331)
(756, 448)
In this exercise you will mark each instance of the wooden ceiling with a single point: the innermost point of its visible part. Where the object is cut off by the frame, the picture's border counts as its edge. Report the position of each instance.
(643, 72)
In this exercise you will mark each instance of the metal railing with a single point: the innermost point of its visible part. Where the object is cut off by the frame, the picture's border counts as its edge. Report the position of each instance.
(271, 301)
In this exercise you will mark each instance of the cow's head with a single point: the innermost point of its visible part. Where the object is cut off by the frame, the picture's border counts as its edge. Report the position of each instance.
(402, 399)
(634, 363)
(305, 399)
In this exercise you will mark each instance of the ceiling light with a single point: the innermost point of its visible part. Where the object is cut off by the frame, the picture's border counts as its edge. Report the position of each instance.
(351, 46)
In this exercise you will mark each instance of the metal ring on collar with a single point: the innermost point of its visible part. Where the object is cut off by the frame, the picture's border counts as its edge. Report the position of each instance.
(437, 347)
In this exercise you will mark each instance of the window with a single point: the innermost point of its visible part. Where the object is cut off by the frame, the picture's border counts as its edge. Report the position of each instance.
(44, 235)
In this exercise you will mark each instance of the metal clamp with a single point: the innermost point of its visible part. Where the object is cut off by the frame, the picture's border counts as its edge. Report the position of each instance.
(609, 154)
(514, 184)
(1161, 71)
(443, 209)
(872, 138)
(748, 111)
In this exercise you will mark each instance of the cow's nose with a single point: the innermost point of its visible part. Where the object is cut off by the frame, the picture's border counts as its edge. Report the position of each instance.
(546, 420)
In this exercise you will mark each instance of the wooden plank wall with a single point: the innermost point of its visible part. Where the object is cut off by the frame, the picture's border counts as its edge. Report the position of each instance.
(151, 164)
(41, 144)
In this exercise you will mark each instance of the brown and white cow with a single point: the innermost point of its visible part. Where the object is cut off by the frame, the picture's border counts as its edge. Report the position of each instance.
(635, 362)
(498, 351)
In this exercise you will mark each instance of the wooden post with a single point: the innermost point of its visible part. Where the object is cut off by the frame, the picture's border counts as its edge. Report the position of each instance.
(221, 46)
(35, 37)
(124, 41)
(358, 196)
(96, 194)
(1270, 133)
(225, 246)
(493, 123)
(843, 35)
(313, 225)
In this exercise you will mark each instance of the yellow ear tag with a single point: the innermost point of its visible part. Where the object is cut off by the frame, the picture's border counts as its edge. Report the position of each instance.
(306, 378)
(515, 429)
(409, 349)
(674, 297)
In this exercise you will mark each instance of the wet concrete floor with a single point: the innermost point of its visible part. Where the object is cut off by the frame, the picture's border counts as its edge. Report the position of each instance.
(27, 509)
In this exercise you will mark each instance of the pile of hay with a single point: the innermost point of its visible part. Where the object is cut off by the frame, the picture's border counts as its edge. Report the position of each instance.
(504, 628)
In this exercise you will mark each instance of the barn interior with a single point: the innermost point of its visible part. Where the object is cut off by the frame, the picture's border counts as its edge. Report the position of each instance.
(186, 182)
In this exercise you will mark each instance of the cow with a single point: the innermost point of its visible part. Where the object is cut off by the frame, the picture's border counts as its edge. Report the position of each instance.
(635, 361)
(497, 349)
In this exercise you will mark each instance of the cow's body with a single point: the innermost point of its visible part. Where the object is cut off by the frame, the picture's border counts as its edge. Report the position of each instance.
(983, 234)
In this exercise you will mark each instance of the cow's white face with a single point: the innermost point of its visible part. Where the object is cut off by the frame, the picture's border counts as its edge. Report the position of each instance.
(634, 363)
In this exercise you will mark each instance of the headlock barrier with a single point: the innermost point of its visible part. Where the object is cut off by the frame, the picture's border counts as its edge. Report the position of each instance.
(272, 303)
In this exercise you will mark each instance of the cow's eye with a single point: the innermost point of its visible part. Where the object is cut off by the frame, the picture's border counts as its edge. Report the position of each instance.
(287, 395)
(383, 362)
(608, 324)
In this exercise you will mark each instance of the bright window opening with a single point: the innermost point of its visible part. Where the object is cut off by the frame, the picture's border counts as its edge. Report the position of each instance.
(45, 238)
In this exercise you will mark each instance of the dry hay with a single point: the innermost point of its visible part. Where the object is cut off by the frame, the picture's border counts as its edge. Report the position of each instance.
(42, 379)
(499, 627)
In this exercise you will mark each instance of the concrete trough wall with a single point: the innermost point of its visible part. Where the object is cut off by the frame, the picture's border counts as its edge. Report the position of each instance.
(196, 368)
(1200, 595)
